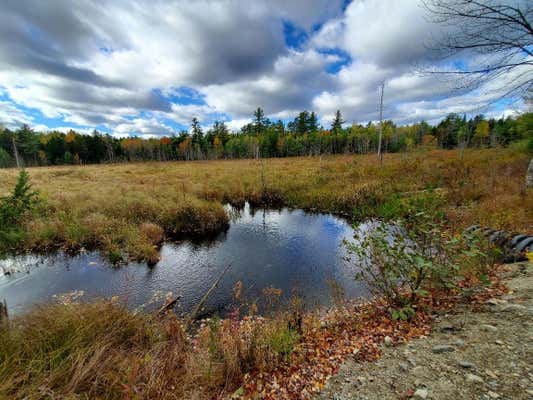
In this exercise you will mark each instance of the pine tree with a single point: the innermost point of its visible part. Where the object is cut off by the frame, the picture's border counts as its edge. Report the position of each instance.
(259, 123)
(313, 123)
(336, 126)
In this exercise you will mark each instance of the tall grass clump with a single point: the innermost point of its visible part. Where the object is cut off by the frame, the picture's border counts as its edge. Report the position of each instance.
(63, 350)
(101, 350)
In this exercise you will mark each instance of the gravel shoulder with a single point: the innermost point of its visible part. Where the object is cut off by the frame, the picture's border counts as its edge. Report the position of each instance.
(485, 353)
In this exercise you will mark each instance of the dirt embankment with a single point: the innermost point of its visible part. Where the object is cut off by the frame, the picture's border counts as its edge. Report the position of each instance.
(485, 353)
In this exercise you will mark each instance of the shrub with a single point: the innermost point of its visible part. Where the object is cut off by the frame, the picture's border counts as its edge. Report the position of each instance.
(400, 262)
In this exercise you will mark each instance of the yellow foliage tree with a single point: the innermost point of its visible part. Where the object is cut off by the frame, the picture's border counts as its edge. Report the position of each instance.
(482, 132)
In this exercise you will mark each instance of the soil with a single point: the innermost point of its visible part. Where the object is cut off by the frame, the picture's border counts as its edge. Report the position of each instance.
(481, 353)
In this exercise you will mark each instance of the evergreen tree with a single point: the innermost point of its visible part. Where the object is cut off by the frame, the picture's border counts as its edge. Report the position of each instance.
(313, 123)
(336, 125)
(260, 122)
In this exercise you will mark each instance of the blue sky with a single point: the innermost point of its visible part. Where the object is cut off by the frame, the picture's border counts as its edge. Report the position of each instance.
(149, 67)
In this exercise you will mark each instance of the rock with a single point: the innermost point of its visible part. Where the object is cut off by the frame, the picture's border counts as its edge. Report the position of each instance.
(474, 378)
(387, 341)
(491, 374)
(488, 328)
(498, 342)
(449, 328)
(512, 307)
(420, 394)
(495, 302)
(466, 365)
(493, 395)
(442, 348)
(404, 367)
(459, 343)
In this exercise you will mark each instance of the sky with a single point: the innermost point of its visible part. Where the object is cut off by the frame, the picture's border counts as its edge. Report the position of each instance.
(147, 68)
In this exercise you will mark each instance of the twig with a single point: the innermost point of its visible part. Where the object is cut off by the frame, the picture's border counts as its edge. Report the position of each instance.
(169, 306)
(206, 296)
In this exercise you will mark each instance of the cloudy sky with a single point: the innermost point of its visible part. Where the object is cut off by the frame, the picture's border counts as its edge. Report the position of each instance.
(136, 67)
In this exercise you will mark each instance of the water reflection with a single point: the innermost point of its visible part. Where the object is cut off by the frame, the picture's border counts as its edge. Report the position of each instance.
(292, 250)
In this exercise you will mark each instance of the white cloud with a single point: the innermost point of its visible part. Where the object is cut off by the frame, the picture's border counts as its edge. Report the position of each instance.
(11, 117)
(122, 66)
(146, 127)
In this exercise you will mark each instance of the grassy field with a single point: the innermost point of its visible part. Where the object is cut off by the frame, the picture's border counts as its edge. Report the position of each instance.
(126, 209)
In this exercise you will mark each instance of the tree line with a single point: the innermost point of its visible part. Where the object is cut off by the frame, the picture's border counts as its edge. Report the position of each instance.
(303, 136)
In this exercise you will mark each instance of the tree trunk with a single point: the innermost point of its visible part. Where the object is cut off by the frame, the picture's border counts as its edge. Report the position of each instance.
(529, 175)
(3, 311)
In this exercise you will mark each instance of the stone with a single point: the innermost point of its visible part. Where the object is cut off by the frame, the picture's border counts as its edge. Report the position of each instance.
(498, 342)
(488, 328)
(492, 374)
(474, 378)
(420, 394)
(466, 365)
(459, 342)
(495, 302)
(512, 307)
(493, 395)
(448, 328)
(442, 348)
(404, 367)
(387, 341)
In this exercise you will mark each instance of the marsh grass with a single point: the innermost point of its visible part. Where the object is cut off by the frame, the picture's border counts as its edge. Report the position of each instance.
(105, 206)
(100, 350)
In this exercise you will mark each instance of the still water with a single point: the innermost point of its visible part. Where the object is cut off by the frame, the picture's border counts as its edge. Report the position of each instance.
(297, 252)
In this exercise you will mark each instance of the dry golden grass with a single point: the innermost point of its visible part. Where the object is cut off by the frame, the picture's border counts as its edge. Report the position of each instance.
(107, 206)
(100, 350)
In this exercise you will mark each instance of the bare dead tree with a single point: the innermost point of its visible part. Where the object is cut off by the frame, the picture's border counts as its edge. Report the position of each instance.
(15, 151)
(498, 37)
(380, 153)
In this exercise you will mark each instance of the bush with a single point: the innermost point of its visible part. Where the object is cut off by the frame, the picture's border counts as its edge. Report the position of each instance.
(401, 262)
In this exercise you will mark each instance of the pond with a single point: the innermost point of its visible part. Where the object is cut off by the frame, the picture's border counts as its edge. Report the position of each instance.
(300, 253)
